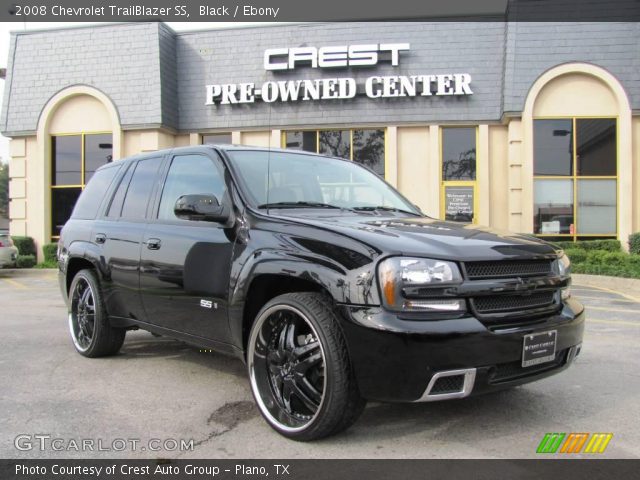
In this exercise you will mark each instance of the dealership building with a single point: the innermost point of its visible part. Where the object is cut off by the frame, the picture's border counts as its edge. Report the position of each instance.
(529, 127)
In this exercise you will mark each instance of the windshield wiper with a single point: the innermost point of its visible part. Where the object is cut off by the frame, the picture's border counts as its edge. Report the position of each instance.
(300, 204)
(386, 209)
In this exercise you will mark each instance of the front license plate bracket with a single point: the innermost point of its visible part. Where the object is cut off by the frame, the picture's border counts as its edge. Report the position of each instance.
(539, 348)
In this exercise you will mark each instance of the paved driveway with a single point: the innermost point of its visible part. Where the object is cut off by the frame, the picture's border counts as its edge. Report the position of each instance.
(162, 389)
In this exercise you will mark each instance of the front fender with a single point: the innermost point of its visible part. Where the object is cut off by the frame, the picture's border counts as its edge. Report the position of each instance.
(354, 286)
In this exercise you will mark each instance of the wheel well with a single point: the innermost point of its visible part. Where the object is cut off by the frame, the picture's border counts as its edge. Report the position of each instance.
(74, 266)
(266, 287)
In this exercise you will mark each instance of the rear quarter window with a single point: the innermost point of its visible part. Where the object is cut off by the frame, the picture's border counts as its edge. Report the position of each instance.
(91, 198)
(140, 188)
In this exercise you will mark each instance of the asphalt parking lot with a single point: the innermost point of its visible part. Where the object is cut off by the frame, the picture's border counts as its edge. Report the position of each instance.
(158, 388)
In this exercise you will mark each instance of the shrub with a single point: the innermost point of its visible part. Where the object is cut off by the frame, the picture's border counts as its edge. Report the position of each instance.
(634, 243)
(602, 257)
(596, 257)
(566, 245)
(611, 270)
(619, 259)
(634, 261)
(26, 261)
(602, 262)
(25, 245)
(47, 264)
(576, 255)
(50, 251)
(610, 245)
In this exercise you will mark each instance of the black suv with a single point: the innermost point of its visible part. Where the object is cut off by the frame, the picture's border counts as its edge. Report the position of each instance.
(327, 282)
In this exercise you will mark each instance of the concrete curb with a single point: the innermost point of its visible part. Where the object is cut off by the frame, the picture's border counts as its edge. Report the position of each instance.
(629, 287)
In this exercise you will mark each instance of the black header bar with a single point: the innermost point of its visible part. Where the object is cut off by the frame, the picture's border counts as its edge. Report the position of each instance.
(319, 11)
(279, 469)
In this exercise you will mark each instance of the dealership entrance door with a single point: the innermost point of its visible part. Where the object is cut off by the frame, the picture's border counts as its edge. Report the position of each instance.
(458, 189)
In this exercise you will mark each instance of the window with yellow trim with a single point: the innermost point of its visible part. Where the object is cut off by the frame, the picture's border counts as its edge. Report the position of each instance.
(74, 160)
(458, 186)
(575, 178)
(365, 146)
(216, 138)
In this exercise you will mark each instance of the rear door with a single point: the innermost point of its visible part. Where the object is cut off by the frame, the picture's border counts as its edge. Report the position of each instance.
(184, 274)
(119, 237)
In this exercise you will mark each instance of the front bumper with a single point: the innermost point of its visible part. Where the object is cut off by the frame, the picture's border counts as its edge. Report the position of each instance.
(395, 360)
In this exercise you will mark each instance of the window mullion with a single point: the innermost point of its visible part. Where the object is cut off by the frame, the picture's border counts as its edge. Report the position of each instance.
(82, 168)
(575, 180)
(351, 144)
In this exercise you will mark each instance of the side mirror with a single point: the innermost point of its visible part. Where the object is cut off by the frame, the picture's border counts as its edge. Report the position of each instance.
(205, 208)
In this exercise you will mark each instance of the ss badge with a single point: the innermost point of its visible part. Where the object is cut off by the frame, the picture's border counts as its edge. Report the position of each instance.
(208, 304)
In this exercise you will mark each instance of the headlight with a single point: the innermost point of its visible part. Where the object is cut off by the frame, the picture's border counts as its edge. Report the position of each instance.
(402, 278)
(562, 267)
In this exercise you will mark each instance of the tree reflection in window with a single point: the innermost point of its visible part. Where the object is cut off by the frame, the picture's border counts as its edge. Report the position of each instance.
(335, 143)
(459, 154)
(368, 149)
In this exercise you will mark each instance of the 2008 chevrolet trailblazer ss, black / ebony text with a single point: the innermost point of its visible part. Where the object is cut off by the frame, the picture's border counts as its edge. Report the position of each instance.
(329, 284)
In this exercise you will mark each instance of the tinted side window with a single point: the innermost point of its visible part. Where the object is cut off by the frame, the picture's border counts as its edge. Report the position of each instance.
(91, 198)
(189, 174)
(139, 191)
(118, 198)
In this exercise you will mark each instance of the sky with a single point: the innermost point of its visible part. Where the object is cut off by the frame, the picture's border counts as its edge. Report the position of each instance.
(7, 27)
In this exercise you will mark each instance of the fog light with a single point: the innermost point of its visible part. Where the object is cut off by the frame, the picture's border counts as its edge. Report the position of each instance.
(565, 293)
(435, 305)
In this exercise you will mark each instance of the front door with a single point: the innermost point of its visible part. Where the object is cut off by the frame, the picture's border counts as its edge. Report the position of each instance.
(184, 274)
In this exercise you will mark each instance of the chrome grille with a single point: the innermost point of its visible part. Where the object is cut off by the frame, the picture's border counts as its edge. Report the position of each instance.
(507, 268)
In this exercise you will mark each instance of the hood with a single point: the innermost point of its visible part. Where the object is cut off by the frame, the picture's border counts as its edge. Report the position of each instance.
(424, 236)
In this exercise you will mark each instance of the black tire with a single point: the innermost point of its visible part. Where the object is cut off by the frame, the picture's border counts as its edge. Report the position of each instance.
(91, 333)
(299, 368)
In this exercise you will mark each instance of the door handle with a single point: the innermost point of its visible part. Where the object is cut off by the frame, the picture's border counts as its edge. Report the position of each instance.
(100, 238)
(153, 243)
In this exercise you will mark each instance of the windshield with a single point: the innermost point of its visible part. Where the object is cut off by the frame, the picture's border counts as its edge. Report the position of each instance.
(298, 180)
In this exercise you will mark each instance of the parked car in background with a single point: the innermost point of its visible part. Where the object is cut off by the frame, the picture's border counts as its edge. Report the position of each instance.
(8, 252)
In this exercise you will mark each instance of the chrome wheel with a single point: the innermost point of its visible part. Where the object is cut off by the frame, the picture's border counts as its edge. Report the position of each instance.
(82, 315)
(287, 368)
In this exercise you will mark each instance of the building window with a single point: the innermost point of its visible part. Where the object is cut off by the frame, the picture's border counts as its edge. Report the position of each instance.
(575, 178)
(335, 143)
(365, 146)
(74, 160)
(458, 186)
(459, 154)
(216, 139)
(307, 141)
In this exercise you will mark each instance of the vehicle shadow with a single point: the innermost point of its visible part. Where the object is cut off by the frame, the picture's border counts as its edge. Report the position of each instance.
(512, 411)
(142, 344)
